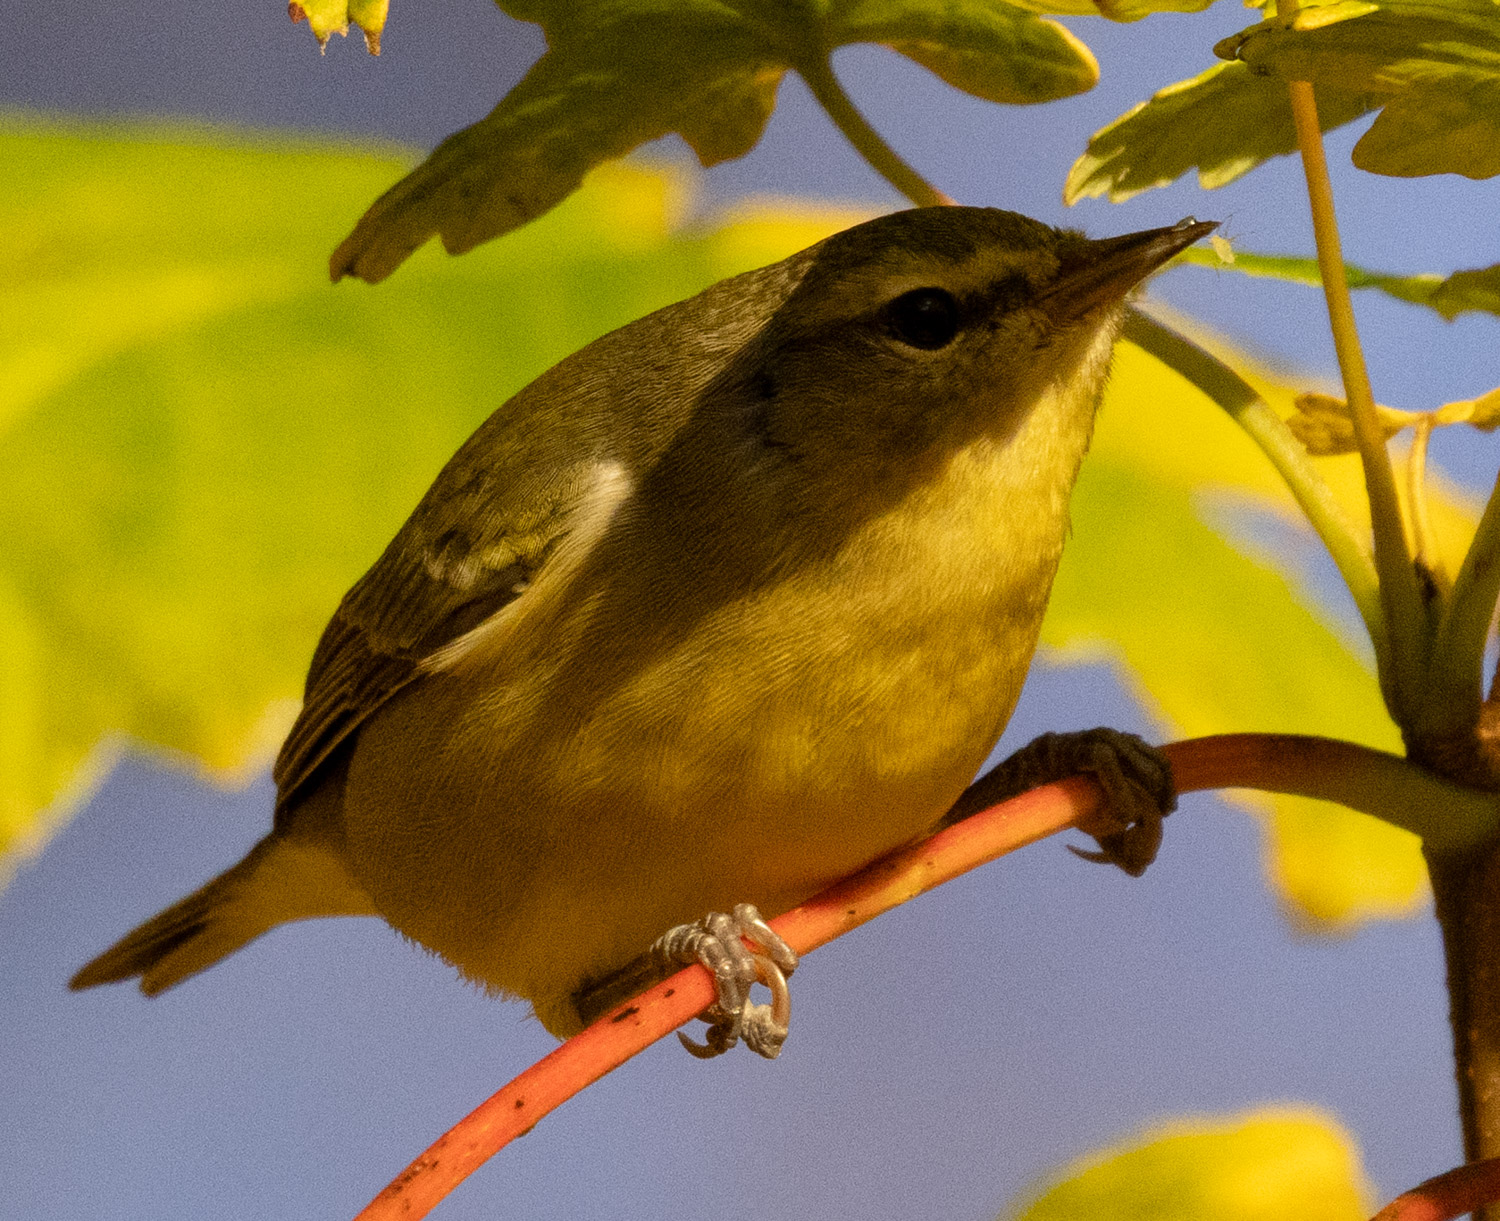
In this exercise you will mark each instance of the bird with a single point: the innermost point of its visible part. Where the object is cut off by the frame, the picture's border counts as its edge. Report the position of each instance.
(725, 605)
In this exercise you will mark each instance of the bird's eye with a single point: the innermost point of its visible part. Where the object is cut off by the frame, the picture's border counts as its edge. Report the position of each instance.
(925, 318)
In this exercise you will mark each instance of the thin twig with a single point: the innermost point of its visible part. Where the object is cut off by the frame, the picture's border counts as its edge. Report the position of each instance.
(1423, 552)
(1456, 676)
(1447, 1196)
(817, 71)
(1400, 596)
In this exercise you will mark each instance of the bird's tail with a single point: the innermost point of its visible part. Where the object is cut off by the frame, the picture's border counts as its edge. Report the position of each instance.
(280, 880)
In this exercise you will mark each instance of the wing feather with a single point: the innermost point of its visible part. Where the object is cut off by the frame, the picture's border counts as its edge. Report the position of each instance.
(527, 479)
(350, 678)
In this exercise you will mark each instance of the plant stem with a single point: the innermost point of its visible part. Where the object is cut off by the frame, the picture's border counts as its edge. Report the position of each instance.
(817, 71)
(1466, 884)
(1416, 497)
(1400, 597)
(1449, 818)
(1464, 887)
(1440, 730)
(1457, 672)
(1238, 397)
(1447, 1196)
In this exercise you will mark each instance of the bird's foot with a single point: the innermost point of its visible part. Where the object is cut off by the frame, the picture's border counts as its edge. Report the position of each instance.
(1135, 776)
(718, 942)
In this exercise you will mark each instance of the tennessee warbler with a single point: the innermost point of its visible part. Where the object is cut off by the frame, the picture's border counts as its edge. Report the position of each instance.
(720, 608)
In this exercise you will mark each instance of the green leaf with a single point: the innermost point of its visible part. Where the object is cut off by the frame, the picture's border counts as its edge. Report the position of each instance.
(618, 73)
(1435, 65)
(1262, 1166)
(1469, 290)
(1113, 10)
(1222, 123)
(1463, 291)
(989, 48)
(203, 443)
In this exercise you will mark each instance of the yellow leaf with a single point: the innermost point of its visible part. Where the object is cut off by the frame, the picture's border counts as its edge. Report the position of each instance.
(328, 17)
(1270, 1165)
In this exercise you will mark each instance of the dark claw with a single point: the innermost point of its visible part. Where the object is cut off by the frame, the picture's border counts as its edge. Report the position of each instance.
(1135, 776)
(719, 1038)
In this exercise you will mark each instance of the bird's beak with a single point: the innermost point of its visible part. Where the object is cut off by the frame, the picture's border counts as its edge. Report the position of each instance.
(1105, 270)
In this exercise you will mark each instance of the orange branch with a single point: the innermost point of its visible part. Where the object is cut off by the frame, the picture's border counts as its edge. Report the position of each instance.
(1277, 762)
(635, 1025)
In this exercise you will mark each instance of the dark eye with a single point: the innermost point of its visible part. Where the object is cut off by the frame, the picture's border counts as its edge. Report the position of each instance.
(925, 318)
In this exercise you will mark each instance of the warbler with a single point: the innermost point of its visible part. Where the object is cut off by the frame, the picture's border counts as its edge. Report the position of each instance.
(725, 605)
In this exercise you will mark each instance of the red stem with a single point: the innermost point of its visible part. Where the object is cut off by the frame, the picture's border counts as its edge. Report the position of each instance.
(1447, 1196)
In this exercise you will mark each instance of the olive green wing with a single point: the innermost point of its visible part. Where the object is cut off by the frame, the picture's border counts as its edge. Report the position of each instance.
(473, 546)
(486, 529)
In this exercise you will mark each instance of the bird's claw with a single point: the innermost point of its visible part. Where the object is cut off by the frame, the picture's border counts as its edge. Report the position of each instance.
(718, 942)
(1139, 793)
(1135, 776)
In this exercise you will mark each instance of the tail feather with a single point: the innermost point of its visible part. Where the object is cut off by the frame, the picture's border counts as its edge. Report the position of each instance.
(279, 881)
(192, 934)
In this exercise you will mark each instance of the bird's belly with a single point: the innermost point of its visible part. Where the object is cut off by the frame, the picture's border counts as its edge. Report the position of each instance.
(551, 826)
(679, 792)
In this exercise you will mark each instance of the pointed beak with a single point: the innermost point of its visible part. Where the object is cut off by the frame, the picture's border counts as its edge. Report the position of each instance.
(1105, 270)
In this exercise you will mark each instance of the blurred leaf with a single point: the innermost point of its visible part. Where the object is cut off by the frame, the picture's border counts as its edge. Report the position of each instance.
(1325, 425)
(1270, 1165)
(1435, 65)
(196, 440)
(618, 73)
(1477, 290)
(1222, 123)
(1482, 413)
(1157, 579)
(329, 17)
(197, 431)
(1114, 10)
